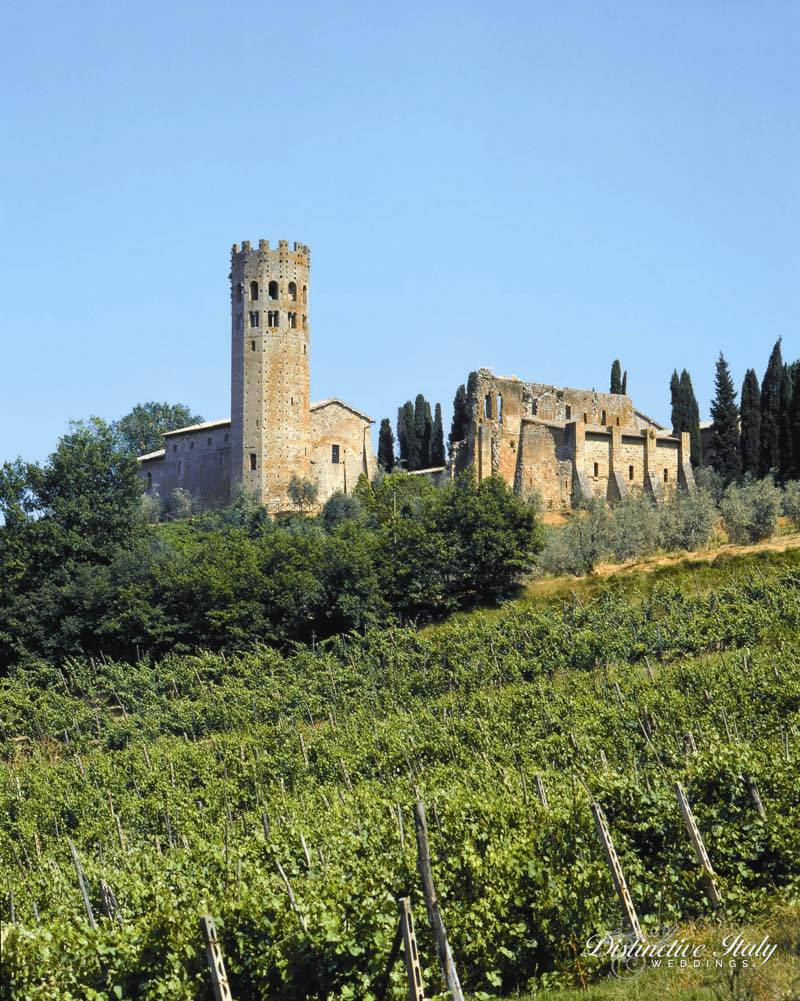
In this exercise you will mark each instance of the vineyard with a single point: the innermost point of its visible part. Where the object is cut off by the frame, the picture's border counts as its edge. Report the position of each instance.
(275, 791)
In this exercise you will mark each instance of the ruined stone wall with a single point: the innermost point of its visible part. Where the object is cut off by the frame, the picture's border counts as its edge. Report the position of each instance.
(334, 425)
(545, 465)
(270, 346)
(198, 461)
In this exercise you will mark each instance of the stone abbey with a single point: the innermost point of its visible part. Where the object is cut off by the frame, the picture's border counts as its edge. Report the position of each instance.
(274, 431)
(566, 445)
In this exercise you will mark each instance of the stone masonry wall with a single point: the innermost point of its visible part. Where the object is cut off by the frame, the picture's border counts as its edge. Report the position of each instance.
(335, 425)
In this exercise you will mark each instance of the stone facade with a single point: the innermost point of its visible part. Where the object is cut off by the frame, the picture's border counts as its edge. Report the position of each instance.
(568, 445)
(274, 432)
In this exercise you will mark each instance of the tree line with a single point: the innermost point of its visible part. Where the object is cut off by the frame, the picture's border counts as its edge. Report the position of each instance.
(81, 571)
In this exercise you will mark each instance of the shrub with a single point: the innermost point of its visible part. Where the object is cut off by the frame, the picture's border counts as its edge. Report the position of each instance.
(633, 528)
(687, 519)
(791, 502)
(750, 510)
(579, 546)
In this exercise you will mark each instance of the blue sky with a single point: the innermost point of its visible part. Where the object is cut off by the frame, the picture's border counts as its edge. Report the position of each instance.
(535, 187)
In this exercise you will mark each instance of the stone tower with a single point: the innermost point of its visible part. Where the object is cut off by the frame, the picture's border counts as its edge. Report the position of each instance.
(270, 416)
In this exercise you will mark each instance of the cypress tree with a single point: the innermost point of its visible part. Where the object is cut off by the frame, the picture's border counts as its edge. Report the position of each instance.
(460, 423)
(625, 383)
(676, 402)
(795, 419)
(437, 439)
(786, 438)
(405, 433)
(691, 413)
(725, 456)
(418, 457)
(616, 377)
(386, 445)
(769, 455)
(428, 439)
(750, 434)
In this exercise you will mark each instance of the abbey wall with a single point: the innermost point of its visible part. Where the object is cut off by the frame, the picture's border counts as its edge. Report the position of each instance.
(568, 445)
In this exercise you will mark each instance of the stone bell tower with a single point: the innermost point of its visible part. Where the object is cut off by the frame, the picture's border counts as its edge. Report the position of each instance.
(270, 416)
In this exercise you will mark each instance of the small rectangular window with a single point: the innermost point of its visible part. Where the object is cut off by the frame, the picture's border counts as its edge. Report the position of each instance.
(569, 413)
(209, 441)
(597, 469)
(630, 472)
(226, 437)
(254, 318)
(252, 345)
(666, 476)
(603, 419)
(252, 460)
(585, 418)
(334, 454)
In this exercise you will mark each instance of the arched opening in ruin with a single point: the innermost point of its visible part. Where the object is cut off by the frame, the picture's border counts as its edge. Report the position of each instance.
(499, 408)
(487, 406)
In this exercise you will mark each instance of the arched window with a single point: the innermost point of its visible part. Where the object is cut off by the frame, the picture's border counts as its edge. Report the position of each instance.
(272, 290)
(254, 290)
(487, 406)
(292, 318)
(305, 322)
(239, 292)
(305, 293)
(293, 291)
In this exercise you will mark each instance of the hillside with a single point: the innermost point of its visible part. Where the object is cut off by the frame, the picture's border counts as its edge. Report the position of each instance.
(183, 783)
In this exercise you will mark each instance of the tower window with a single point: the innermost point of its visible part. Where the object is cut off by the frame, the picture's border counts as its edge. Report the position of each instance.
(292, 318)
(254, 318)
(254, 291)
(630, 472)
(253, 460)
(335, 454)
(209, 441)
(272, 318)
(305, 322)
(305, 293)
(191, 444)
(293, 291)
(272, 290)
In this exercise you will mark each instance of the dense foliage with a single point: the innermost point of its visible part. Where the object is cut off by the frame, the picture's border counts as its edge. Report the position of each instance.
(87, 575)
(189, 753)
(141, 430)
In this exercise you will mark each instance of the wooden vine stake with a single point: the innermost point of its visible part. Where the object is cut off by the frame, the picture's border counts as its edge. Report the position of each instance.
(699, 847)
(540, 790)
(82, 884)
(617, 874)
(416, 991)
(216, 964)
(432, 904)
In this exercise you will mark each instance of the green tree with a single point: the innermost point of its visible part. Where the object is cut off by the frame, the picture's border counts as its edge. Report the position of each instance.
(625, 383)
(690, 413)
(677, 415)
(616, 377)
(786, 437)
(302, 492)
(750, 434)
(769, 455)
(795, 419)
(405, 433)
(386, 445)
(141, 430)
(420, 451)
(460, 422)
(437, 439)
(725, 456)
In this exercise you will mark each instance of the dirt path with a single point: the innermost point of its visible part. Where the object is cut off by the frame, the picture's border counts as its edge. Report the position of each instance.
(777, 544)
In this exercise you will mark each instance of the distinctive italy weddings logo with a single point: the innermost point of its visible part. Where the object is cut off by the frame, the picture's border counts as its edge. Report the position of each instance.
(630, 954)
